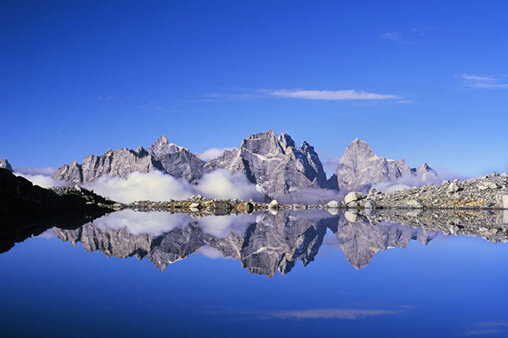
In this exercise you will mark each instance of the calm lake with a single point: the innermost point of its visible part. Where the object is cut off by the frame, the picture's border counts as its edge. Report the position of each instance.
(299, 274)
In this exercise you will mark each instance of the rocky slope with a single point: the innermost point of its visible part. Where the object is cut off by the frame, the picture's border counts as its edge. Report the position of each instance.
(20, 199)
(4, 164)
(360, 168)
(162, 155)
(488, 192)
(274, 163)
(27, 209)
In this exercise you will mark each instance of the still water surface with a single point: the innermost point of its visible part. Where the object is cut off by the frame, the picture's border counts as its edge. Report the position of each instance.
(307, 274)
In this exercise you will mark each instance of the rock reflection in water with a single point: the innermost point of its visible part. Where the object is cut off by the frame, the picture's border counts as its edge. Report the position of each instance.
(266, 243)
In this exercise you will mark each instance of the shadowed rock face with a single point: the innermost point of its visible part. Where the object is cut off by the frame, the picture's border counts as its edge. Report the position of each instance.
(360, 168)
(162, 155)
(274, 164)
(27, 209)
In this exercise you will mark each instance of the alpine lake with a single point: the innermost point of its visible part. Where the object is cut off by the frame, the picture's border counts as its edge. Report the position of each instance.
(310, 273)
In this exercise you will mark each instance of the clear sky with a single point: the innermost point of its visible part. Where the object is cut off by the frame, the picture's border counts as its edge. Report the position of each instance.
(421, 80)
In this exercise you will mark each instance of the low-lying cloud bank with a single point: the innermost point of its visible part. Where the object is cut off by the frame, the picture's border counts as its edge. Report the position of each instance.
(42, 180)
(156, 186)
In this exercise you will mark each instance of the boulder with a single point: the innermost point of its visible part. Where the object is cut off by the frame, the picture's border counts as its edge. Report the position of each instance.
(353, 197)
(333, 204)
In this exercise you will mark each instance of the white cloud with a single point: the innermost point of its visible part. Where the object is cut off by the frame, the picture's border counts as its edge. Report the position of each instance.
(42, 180)
(137, 186)
(333, 313)
(331, 95)
(156, 186)
(34, 171)
(223, 184)
(212, 153)
(485, 82)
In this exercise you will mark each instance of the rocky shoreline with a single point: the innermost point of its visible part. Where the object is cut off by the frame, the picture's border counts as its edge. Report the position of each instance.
(489, 192)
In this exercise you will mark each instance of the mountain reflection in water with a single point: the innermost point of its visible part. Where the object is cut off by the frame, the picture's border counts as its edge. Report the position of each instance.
(266, 243)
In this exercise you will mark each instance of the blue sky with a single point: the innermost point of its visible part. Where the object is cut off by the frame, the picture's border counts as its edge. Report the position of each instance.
(426, 81)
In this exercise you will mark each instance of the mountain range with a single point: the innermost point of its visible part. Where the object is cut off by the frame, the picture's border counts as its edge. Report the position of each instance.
(274, 163)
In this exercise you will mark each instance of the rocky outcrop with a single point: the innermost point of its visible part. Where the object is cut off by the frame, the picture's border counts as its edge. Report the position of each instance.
(360, 168)
(177, 161)
(4, 164)
(20, 199)
(162, 155)
(113, 163)
(27, 209)
(274, 164)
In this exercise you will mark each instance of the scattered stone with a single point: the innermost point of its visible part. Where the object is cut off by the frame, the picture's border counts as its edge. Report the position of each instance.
(453, 187)
(273, 204)
(370, 204)
(415, 204)
(353, 197)
(333, 204)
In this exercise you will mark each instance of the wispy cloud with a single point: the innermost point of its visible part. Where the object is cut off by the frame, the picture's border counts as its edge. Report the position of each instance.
(498, 329)
(485, 82)
(411, 36)
(395, 36)
(333, 313)
(305, 94)
(331, 95)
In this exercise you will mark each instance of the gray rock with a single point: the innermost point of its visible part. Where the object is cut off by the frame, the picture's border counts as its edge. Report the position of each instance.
(453, 187)
(415, 204)
(333, 204)
(4, 164)
(274, 164)
(353, 197)
(370, 205)
(177, 161)
(488, 185)
(162, 155)
(359, 168)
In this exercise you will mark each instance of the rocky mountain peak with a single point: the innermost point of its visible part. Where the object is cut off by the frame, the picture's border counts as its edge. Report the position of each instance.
(359, 168)
(274, 164)
(4, 164)
(286, 141)
(263, 144)
(358, 150)
(162, 147)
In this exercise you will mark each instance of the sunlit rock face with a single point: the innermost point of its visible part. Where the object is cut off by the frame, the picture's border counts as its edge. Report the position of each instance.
(274, 163)
(177, 161)
(162, 155)
(360, 168)
(4, 164)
